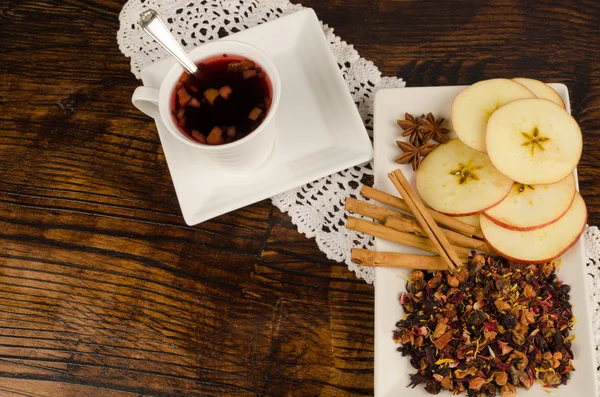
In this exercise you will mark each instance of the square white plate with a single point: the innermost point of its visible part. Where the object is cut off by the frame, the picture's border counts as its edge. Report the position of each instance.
(391, 369)
(319, 129)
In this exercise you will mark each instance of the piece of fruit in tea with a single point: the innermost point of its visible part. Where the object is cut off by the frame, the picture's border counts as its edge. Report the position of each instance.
(227, 99)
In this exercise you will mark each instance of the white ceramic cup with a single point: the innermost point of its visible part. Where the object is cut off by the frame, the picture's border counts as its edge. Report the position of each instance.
(238, 156)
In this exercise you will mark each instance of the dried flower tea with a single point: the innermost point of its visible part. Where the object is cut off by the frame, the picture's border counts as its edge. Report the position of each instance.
(493, 327)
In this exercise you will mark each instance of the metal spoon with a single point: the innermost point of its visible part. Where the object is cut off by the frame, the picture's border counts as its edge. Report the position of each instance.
(155, 27)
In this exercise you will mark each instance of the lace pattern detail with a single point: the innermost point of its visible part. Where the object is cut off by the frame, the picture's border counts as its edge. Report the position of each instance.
(192, 22)
(591, 240)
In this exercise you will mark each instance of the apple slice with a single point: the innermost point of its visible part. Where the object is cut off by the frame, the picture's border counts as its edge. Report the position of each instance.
(541, 90)
(529, 207)
(533, 141)
(473, 106)
(472, 220)
(457, 180)
(539, 245)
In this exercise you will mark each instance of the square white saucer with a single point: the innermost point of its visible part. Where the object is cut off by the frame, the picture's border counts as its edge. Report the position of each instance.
(391, 369)
(319, 130)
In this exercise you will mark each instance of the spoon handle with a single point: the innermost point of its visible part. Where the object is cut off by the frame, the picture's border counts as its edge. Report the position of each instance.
(155, 27)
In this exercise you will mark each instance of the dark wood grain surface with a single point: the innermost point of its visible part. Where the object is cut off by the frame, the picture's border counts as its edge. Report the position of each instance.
(104, 291)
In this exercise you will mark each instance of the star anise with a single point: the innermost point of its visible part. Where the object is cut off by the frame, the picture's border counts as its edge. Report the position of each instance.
(431, 128)
(410, 125)
(413, 154)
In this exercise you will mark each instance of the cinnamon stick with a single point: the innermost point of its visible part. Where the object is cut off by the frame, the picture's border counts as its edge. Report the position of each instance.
(396, 202)
(370, 258)
(409, 225)
(403, 223)
(371, 210)
(431, 228)
(406, 224)
(389, 234)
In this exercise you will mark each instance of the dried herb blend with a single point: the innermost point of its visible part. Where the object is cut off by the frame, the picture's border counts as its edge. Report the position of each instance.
(489, 329)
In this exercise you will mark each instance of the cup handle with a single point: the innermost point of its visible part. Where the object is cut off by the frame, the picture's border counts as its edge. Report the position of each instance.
(146, 100)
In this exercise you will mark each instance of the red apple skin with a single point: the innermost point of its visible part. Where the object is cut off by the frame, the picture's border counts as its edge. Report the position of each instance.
(540, 262)
(526, 229)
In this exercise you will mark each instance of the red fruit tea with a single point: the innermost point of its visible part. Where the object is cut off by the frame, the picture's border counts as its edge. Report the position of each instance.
(227, 99)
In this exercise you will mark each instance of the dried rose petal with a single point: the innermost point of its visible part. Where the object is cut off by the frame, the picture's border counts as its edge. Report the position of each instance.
(403, 296)
(491, 325)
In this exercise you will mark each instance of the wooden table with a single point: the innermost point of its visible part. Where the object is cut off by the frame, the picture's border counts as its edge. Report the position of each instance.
(104, 291)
